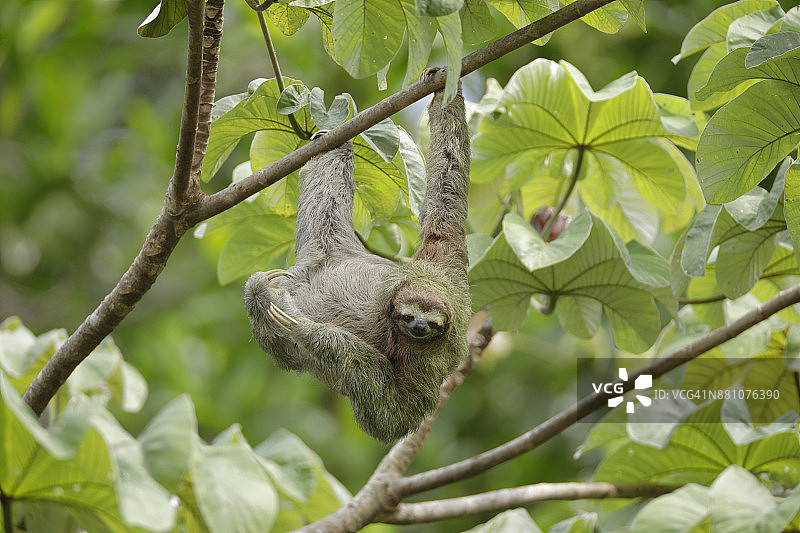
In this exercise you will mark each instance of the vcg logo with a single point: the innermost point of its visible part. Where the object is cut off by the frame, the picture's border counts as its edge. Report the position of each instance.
(643, 382)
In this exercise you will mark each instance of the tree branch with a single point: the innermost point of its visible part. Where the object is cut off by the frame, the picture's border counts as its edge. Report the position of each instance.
(212, 38)
(158, 245)
(430, 511)
(178, 189)
(555, 425)
(237, 192)
(378, 494)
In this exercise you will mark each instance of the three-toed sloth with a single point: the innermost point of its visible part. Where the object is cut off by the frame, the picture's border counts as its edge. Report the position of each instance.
(382, 334)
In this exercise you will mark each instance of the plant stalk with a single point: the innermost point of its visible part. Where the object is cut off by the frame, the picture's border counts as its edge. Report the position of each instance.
(276, 67)
(573, 179)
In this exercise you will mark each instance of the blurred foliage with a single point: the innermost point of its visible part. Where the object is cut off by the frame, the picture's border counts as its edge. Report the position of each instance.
(89, 114)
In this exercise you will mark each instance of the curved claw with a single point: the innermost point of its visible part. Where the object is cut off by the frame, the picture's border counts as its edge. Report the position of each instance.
(271, 274)
(429, 71)
(319, 133)
(281, 317)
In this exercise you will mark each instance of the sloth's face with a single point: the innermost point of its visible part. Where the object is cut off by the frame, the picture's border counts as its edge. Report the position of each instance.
(420, 316)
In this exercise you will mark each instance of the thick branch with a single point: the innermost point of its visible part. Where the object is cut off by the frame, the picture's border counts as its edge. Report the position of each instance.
(555, 425)
(178, 189)
(237, 192)
(212, 38)
(378, 494)
(414, 513)
(158, 245)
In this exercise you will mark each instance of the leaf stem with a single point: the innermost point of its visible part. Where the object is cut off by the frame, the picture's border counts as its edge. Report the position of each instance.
(273, 57)
(573, 179)
(8, 520)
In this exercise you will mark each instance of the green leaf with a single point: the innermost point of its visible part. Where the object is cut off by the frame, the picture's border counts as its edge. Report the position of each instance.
(384, 138)
(700, 76)
(580, 523)
(746, 30)
(421, 32)
(635, 9)
(744, 140)
(697, 451)
(324, 118)
(714, 28)
(143, 502)
(521, 13)
(773, 47)
(267, 147)
(167, 441)
(287, 18)
(739, 501)
(449, 27)
(609, 19)
(366, 34)
(15, 341)
(792, 205)
(166, 15)
(262, 242)
(686, 508)
(437, 8)
(233, 492)
(414, 165)
(257, 112)
(477, 23)
(300, 476)
(513, 521)
(293, 98)
(599, 270)
(548, 114)
(67, 464)
(791, 21)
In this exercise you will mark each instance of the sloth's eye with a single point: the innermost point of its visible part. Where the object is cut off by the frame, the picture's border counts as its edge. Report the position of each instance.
(406, 318)
(434, 325)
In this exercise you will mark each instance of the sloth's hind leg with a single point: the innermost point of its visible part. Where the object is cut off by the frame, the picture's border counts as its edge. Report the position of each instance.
(325, 208)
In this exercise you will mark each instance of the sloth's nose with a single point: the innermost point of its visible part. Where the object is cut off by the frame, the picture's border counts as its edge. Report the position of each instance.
(419, 328)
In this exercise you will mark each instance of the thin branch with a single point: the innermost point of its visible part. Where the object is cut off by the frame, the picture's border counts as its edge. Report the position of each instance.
(276, 68)
(158, 245)
(430, 511)
(178, 190)
(237, 192)
(212, 38)
(558, 423)
(378, 495)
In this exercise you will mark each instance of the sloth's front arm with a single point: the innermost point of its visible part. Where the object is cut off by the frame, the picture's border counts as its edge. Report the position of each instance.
(350, 366)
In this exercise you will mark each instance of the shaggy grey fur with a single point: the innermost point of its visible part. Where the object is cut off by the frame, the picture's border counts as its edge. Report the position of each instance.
(341, 313)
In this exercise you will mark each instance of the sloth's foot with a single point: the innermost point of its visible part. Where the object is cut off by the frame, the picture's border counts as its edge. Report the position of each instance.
(319, 133)
(280, 317)
(429, 71)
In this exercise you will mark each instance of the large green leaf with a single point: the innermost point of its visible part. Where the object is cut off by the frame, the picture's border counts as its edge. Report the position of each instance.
(548, 115)
(609, 19)
(521, 13)
(477, 22)
(143, 502)
(513, 521)
(714, 28)
(698, 450)
(585, 267)
(420, 33)
(366, 34)
(287, 18)
(740, 501)
(746, 30)
(262, 242)
(745, 139)
(299, 476)
(449, 27)
(166, 15)
(792, 199)
(686, 508)
(232, 489)
(256, 113)
(167, 441)
(67, 464)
